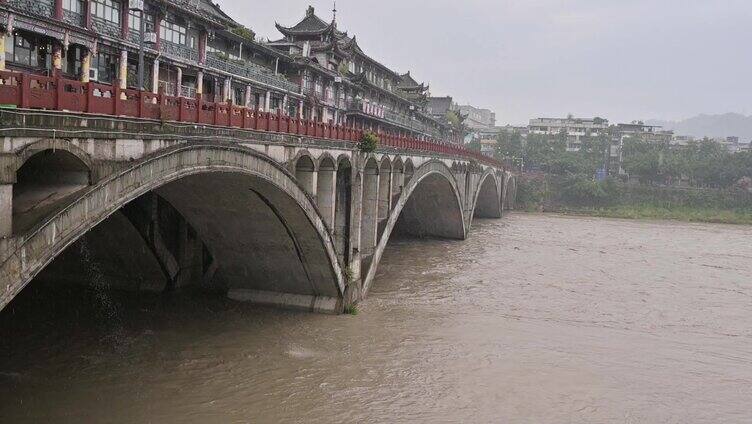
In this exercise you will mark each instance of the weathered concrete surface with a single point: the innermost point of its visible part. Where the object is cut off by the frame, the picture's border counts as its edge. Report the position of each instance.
(274, 219)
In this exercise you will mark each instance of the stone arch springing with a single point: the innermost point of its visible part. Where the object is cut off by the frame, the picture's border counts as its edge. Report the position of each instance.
(431, 183)
(279, 253)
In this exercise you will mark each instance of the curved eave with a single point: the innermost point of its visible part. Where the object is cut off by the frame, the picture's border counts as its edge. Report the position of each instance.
(288, 31)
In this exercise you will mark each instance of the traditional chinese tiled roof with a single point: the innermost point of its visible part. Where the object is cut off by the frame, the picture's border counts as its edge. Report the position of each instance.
(310, 25)
(439, 105)
(408, 83)
(210, 10)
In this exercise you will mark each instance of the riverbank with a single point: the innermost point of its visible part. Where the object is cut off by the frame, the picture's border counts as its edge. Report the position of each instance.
(610, 199)
(686, 214)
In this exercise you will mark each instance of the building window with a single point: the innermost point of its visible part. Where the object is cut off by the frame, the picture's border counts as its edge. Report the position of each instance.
(172, 32)
(109, 10)
(106, 65)
(134, 21)
(75, 6)
(72, 65)
(28, 50)
(319, 88)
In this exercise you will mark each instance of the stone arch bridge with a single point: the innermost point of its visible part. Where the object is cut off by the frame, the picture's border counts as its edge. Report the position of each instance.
(276, 219)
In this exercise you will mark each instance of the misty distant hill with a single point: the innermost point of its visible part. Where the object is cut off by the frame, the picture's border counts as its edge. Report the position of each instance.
(727, 124)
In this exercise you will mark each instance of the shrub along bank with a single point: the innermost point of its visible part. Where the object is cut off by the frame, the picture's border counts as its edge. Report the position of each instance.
(581, 195)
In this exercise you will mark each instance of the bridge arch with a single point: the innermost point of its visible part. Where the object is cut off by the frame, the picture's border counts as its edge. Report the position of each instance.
(342, 207)
(487, 197)
(305, 172)
(48, 172)
(432, 184)
(23, 154)
(268, 236)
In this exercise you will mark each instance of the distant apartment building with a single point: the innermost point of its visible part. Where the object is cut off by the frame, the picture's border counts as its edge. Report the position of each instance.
(477, 118)
(636, 129)
(681, 140)
(575, 128)
(512, 129)
(733, 144)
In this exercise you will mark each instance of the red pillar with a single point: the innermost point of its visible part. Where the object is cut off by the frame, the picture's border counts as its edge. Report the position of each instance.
(59, 10)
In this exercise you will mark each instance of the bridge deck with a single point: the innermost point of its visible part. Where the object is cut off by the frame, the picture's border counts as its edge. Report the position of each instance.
(26, 90)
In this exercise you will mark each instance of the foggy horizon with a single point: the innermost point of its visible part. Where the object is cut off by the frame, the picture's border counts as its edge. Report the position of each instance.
(623, 62)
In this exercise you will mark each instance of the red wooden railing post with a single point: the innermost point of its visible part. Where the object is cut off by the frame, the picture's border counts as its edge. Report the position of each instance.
(59, 92)
(116, 98)
(140, 103)
(181, 109)
(199, 108)
(90, 97)
(25, 87)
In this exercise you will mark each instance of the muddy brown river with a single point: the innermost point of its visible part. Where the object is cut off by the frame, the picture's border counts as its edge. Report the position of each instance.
(533, 319)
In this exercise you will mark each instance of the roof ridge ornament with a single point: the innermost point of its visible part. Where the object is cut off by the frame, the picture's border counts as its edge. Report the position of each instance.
(310, 11)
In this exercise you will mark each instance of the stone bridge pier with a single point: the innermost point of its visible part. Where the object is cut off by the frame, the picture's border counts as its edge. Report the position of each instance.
(274, 219)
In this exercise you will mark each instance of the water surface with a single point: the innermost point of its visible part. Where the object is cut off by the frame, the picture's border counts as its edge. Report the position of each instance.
(534, 319)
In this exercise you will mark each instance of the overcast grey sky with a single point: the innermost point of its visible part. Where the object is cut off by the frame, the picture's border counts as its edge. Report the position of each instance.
(619, 59)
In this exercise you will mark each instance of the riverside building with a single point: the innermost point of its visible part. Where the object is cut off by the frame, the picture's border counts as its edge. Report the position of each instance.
(193, 49)
(343, 84)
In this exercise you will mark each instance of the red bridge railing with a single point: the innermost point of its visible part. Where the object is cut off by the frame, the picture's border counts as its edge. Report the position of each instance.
(27, 90)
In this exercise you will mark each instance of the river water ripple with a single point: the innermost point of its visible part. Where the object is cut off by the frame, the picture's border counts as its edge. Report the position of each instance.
(533, 319)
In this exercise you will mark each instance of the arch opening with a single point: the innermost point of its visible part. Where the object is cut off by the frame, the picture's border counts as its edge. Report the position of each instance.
(370, 208)
(44, 183)
(384, 201)
(488, 202)
(432, 210)
(305, 173)
(245, 227)
(398, 181)
(342, 211)
(325, 190)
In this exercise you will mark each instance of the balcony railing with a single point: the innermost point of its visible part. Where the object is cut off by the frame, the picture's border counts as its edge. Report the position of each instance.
(390, 116)
(188, 92)
(178, 50)
(44, 8)
(251, 71)
(27, 90)
(134, 37)
(73, 18)
(103, 27)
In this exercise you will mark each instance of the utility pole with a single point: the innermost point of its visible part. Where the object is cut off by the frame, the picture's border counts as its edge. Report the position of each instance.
(138, 5)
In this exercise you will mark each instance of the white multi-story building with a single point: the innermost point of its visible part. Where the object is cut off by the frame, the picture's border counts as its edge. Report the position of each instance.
(478, 118)
(574, 128)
